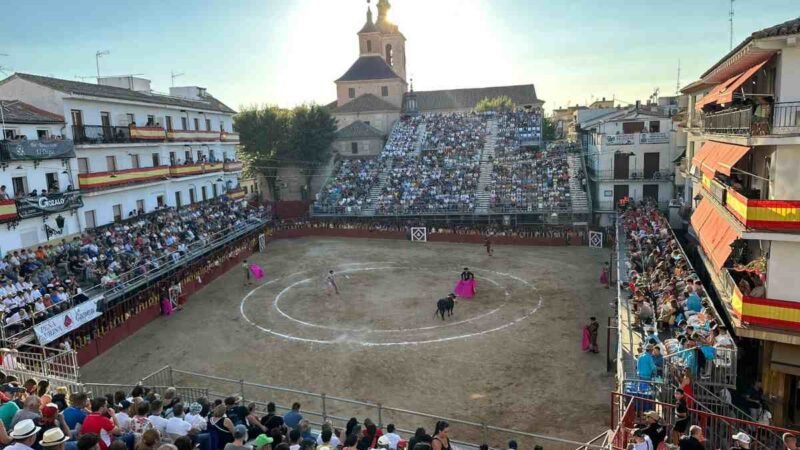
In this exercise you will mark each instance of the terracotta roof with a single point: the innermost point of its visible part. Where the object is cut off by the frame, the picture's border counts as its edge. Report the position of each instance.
(15, 111)
(369, 68)
(209, 103)
(359, 129)
(522, 94)
(366, 103)
(781, 29)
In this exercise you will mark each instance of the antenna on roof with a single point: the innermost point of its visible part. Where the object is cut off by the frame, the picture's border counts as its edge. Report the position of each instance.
(678, 81)
(4, 69)
(730, 19)
(174, 75)
(97, 60)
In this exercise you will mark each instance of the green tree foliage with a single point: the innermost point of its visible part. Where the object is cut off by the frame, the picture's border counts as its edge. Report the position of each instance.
(502, 103)
(271, 137)
(548, 129)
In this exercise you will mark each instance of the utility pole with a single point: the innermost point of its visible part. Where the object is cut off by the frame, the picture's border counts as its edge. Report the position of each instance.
(97, 61)
(730, 19)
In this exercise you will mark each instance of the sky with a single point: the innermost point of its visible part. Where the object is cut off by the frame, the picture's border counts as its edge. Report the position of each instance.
(287, 52)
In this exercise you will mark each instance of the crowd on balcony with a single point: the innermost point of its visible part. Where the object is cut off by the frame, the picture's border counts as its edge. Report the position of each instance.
(39, 283)
(348, 190)
(670, 304)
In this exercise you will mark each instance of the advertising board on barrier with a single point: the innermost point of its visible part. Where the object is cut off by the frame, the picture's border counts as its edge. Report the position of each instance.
(55, 327)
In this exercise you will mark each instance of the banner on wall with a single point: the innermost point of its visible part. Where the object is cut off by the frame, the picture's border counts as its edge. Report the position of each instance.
(50, 203)
(55, 327)
(22, 150)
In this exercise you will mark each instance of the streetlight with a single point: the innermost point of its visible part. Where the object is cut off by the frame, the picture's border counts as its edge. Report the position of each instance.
(97, 61)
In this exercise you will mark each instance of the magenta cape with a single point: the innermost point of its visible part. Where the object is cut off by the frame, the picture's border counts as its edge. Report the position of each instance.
(257, 271)
(465, 288)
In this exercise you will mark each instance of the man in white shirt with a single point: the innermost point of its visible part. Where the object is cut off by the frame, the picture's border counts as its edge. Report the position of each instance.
(159, 423)
(392, 436)
(194, 418)
(176, 426)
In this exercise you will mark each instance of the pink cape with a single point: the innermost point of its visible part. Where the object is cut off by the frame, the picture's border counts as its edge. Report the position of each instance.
(465, 288)
(257, 271)
(166, 306)
(585, 341)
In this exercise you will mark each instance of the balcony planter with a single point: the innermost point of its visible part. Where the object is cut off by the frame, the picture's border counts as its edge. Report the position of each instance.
(192, 135)
(148, 133)
(194, 169)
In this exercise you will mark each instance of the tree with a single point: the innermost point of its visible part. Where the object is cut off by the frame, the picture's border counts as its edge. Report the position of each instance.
(264, 138)
(548, 129)
(501, 103)
(313, 132)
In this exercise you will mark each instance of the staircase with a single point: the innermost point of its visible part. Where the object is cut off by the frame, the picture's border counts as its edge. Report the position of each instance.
(487, 156)
(422, 132)
(580, 201)
(376, 190)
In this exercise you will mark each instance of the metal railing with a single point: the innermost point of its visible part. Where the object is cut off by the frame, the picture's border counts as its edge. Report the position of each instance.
(632, 175)
(98, 134)
(130, 280)
(737, 121)
(783, 118)
(43, 362)
(786, 118)
(321, 407)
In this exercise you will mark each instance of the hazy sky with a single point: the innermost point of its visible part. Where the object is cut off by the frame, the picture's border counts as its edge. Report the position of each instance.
(290, 51)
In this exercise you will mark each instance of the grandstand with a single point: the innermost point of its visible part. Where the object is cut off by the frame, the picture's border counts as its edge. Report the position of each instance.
(462, 164)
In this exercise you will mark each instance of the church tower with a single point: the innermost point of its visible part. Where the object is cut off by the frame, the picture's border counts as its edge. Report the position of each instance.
(369, 38)
(393, 43)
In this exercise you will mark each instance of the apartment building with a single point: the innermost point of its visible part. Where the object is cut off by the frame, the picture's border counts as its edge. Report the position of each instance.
(137, 150)
(744, 148)
(629, 154)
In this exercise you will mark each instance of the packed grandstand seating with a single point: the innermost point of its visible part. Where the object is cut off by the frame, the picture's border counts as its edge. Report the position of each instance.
(403, 138)
(348, 190)
(39, 283)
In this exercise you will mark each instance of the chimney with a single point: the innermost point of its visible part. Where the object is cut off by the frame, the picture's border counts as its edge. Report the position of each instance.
(604, 99)
(188, 92)
(132, 83)
(638, 103)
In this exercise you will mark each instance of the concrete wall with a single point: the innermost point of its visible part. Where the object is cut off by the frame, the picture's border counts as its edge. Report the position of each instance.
(31, 131)
(396, 87)
(782, 280)
(366, 147)
(787, 85)
(383, 121)
(786, 169)
(30, 232)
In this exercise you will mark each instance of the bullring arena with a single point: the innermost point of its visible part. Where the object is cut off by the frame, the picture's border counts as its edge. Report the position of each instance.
(510, 357)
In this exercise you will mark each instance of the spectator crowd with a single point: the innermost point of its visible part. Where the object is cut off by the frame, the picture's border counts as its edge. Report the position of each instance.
(348, 190)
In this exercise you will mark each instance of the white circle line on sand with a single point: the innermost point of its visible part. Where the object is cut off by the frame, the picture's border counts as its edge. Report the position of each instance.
(276, 306)
(387, 344)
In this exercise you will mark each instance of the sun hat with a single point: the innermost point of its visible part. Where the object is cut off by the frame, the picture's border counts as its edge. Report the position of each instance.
(742, 437)
(195, 408)
(262, 440)
(24, 429)
(383, 440)
(53, 436)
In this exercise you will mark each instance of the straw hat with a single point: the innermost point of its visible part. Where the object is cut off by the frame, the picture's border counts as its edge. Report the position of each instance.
(53, 436)
(24, 429)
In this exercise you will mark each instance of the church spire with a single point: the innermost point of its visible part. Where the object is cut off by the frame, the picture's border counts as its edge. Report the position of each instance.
(383, 10)
(369, 26)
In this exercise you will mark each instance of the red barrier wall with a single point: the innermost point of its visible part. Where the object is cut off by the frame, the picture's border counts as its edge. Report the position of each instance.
(435, 237)
(291, 209)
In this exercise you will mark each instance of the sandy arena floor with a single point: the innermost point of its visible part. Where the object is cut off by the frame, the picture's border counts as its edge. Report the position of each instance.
(509, 357)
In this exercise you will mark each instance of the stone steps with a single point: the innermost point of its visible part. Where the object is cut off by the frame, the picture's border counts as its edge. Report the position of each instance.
(485, 178)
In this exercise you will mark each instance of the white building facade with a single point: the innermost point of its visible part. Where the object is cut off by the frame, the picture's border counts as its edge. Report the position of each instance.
(629, 154)
(38, 198)
(137, 151)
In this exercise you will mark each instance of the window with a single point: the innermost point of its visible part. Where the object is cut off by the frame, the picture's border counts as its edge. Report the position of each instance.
(196, 123)
(178, 199)
(90, 219)
(117, 209)
(10, 134)
(83, 165)
(191, 195)
(354, 148)
(199, 155)
(224, 156)
(111, 163)
(632, 127)
(172, 161)
(211, 155)
(140, 206)
(187, 155)
(389, 55)
(151, 120)
(20, 185)
(244, 188)
(221, 126)
(52, 181)
(160, 201)
(131, 119)
(655, 126)
(184, 123)
(156, 160)
(214, 190)
(77, 117)
(369, 46)
(203, 193)
(42, 134)
(169, 123)
(351, 92)
(134, 161)
(384, 91)
(208, 124)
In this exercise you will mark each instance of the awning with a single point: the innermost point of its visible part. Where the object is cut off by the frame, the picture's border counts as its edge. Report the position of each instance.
(723, 92)
(786, 358)
(718, 157)
(715, 232)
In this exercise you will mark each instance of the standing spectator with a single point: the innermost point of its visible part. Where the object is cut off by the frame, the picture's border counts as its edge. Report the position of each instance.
(694, 440)
(441, 436)
(754, 398)
(292, 418)
(393, 437)
(220, 429)
(101, 422)
(681, 422)
(654, 428)
(271, 420)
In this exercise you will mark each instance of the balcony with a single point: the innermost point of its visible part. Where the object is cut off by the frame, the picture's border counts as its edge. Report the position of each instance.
(778, 119)
(192, 136)
(755, 214)
(235, 194)
(229, 137)
(634, 138)
(761, 311)
(662, 175)
(99, 134)
(188, 170)
(108, 180)
(233, 166)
